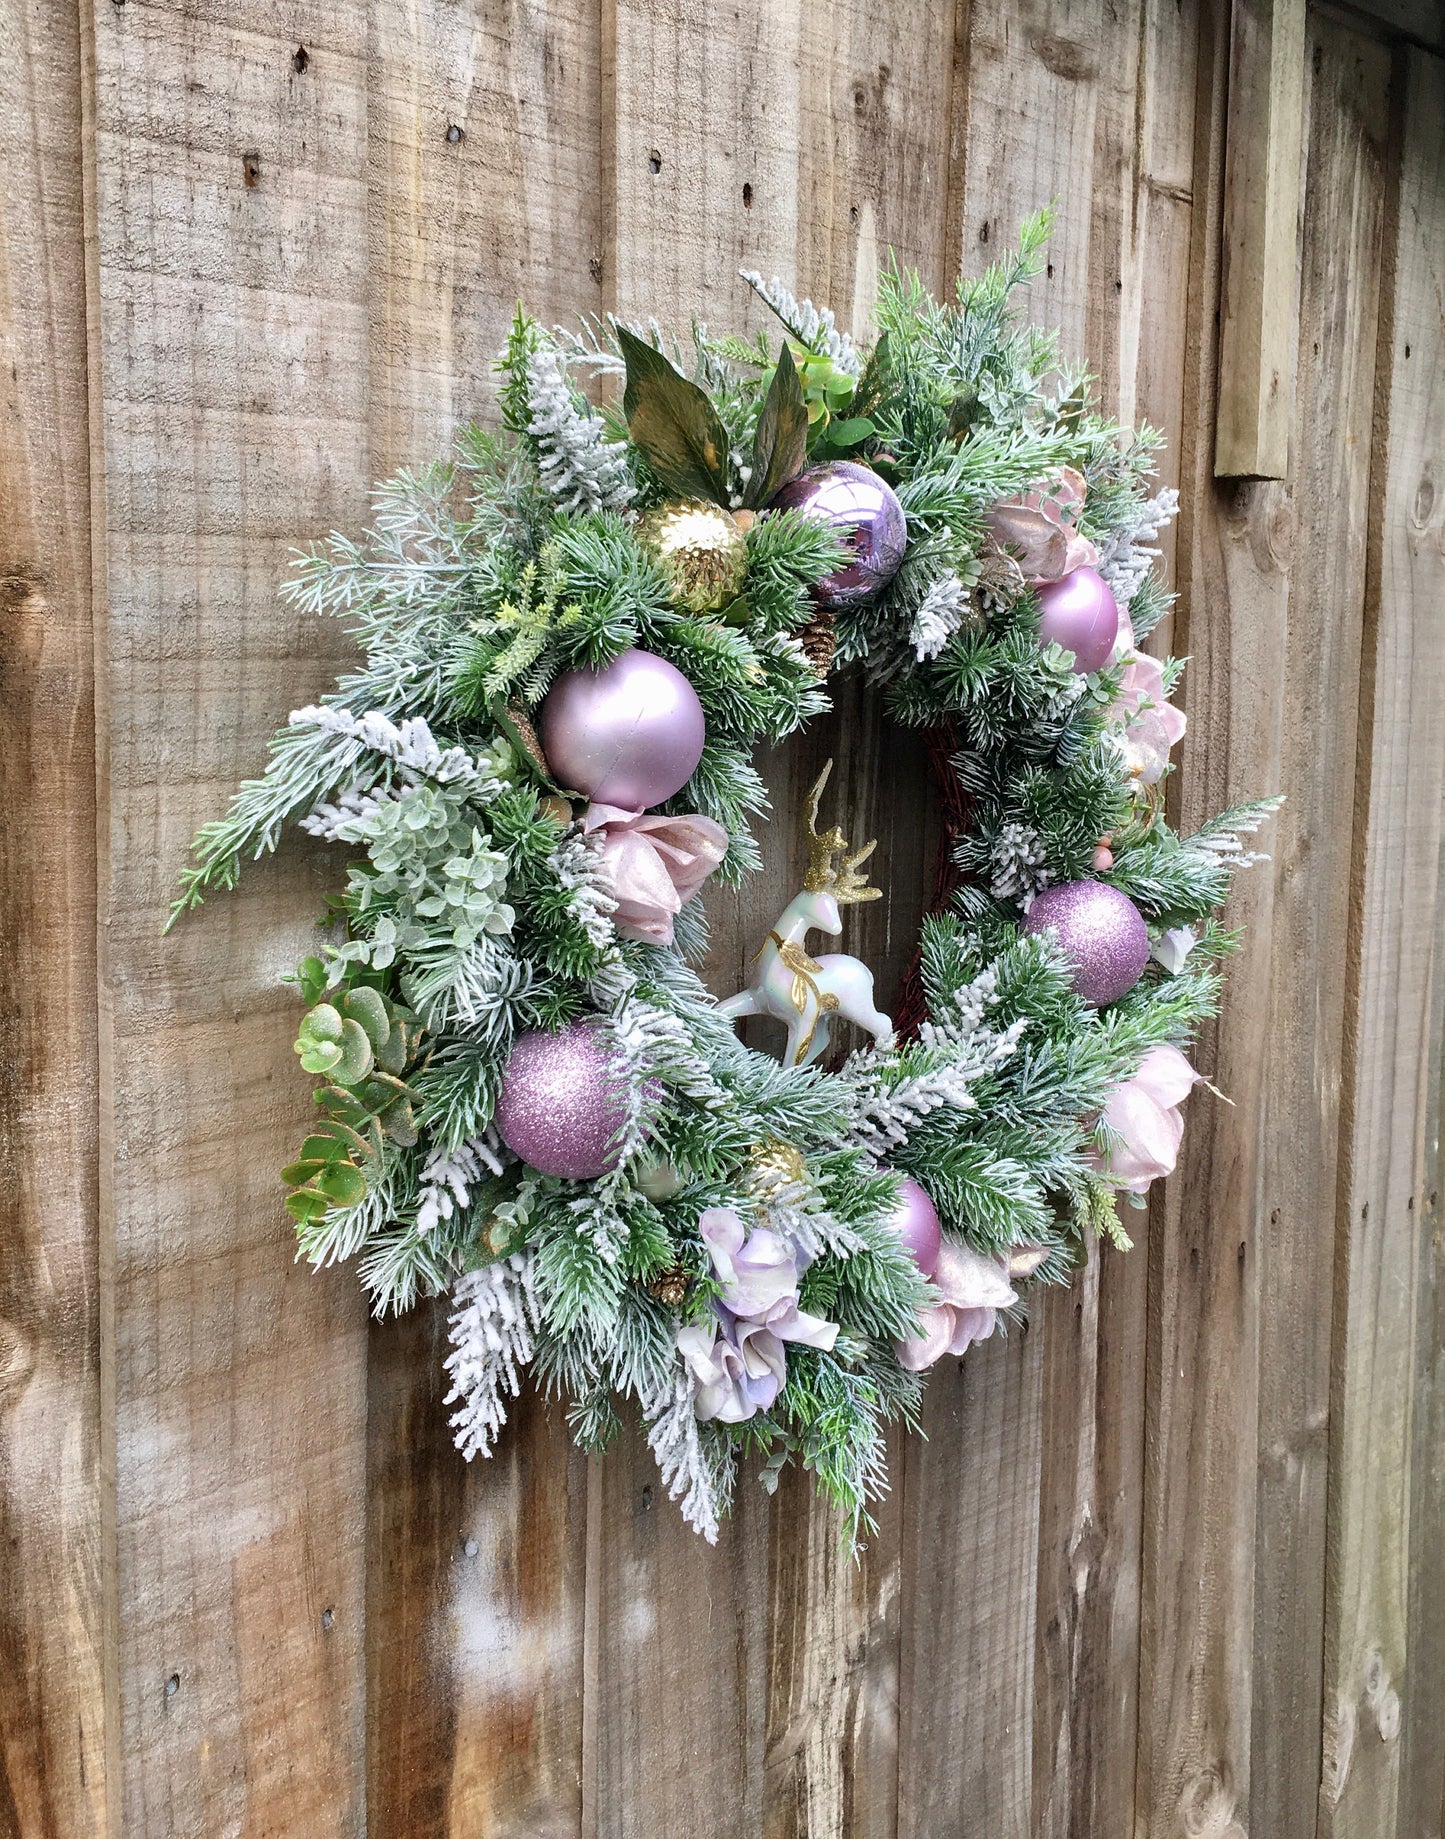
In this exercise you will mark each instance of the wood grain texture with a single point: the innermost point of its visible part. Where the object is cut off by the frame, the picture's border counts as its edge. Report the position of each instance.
(56, 1776)
(1259, 272)
(231, 241)
(1341, 249)
(1202, 1351)
(484, 134)
(970, 1561)
(246, 1586)
(1384, 1229)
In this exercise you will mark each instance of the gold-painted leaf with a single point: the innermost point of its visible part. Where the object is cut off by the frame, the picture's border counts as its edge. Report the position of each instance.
(674, 423)
(780, 449)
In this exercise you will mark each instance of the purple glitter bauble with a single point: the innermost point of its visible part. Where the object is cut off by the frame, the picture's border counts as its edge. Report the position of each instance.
(1079, 612)
(562, 1102)
(1100, 931)
(915, 1220)
(867, 515)
(630, 734)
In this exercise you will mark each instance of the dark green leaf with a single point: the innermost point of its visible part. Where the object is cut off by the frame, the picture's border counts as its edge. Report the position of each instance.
(781, 447)
(674, 423)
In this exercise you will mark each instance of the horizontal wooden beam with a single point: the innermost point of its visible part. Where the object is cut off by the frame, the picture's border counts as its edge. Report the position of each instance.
(1261, 239)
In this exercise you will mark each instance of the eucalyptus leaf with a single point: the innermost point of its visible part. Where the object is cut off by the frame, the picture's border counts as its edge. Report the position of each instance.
(674, 423)
(781, 447)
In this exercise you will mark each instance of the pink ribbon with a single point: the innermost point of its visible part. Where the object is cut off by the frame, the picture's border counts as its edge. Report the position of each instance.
(653, 865)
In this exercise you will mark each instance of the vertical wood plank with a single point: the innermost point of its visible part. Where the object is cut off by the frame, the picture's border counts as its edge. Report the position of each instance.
(701, 127)
(484, 132)
(872, 175)
(1197, 1549)
(231, 240)
(1385, 1219)
(1261, 239)
(1239, 1347)
(1341, 252)
(57, 1573)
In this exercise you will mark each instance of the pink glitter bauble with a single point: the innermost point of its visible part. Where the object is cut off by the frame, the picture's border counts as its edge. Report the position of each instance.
(1079, 612)
(915, 1220)
(630, 734)
(562, 1102)
(865, 511)
(1100, 931)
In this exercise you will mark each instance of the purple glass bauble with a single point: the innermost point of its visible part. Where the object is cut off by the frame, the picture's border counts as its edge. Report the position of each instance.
(1100, 931)
(630, 734)
(561, 1102)
(1079, 612)
(915, 1220)
(867, 515)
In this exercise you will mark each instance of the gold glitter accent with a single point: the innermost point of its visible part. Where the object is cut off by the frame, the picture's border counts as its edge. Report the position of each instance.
(826, 874)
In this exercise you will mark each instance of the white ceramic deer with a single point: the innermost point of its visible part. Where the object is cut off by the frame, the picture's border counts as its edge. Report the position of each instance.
(803, 992)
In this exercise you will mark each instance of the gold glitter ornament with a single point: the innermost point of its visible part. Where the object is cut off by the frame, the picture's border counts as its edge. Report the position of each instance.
(776, 1165)
(700, 550)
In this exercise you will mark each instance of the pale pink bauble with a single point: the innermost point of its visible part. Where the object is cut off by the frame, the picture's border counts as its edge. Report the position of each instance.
(630, 734)
(915, 1220)
(1079, 612)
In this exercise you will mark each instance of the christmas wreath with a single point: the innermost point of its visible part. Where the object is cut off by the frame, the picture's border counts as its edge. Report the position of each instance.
(574, 638)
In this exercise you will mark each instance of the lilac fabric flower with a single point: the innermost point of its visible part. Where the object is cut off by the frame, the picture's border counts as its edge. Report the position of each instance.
(1143, 1115)
(738, 1358)
(972, 1289)
(653, 865)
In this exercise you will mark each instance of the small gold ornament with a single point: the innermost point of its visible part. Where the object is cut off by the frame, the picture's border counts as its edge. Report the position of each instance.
(775, 1165)
(669, 1286)
(556, 809)
(699, 548)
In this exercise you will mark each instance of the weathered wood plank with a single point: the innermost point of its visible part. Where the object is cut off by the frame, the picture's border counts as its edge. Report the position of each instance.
(1092, 1433)
(970, 1565)
(1339, 308)
(872, 176)
(484, 135)
(1384, 1233)
(1198, 1531)
(1239, 1336)
(57, 1573)
(232, 365)
(1261, 238)
(700, 128)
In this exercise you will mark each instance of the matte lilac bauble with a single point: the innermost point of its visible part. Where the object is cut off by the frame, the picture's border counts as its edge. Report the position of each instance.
(867, 515)
(915, 1220)
(1100, 931)
(630, 734)
(1079, 612)
(562, 1101)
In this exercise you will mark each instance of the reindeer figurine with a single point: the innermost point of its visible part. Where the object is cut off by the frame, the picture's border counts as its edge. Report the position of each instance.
(803, 992)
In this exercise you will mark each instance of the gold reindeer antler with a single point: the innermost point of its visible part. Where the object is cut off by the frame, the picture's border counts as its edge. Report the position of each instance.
(839, 878)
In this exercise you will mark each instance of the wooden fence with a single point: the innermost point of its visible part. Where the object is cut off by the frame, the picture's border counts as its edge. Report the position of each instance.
(1170, 1563)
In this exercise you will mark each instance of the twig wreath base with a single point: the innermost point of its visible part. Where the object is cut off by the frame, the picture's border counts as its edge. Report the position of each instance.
(575, 637)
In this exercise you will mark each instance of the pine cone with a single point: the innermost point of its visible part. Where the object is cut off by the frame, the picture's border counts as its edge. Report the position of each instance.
(669, 1286)
(819, 639)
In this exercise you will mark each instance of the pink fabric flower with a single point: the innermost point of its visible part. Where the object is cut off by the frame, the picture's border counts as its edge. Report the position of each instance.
(653, 865)
(1038, 528)
(738, 1358)
(1143, 1115)
(972, 1289)
(1151, 725)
